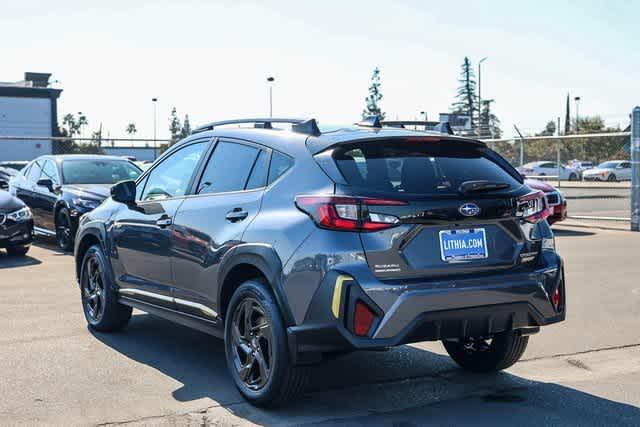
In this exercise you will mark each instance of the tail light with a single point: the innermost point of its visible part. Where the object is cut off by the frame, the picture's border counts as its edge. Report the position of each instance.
(532, 207)
(348, 213)
(556, 298)
(363, 319)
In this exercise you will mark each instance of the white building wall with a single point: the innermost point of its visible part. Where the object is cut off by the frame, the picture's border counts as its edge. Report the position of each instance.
(24, 117)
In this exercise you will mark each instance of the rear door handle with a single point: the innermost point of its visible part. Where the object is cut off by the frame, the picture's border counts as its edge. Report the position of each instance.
(164, 221)
(237, 215)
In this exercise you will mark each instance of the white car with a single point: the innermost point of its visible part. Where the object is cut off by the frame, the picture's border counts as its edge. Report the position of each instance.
(612, 170)
(547, 168)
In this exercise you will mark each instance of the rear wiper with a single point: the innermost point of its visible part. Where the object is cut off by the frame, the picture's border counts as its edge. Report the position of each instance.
(478, 186)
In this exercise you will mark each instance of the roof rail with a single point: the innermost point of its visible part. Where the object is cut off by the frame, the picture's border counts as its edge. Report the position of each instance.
(442, 127)
(371, 122)
(404, 123)
(306, 126)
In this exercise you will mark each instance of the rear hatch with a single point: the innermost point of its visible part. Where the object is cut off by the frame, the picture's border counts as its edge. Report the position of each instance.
(453, 207)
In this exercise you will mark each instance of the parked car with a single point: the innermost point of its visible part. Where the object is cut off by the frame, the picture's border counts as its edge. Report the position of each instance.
(546, 168)
(297, 244)
(612, 170)
(5, 176)
(555, 200)
(59, 189)
(7, 170)
(16, 225)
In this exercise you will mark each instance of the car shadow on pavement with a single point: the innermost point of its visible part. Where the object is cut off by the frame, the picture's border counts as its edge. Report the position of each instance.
(572, 233)
(10, 261)
(50, 244)
(392, 385)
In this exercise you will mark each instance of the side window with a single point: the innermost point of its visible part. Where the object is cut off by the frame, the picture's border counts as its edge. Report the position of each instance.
(49, 171)
(258, 177)
(626, 165)
(34, 172)
(228, 168)
(171, 177)
(279, 165)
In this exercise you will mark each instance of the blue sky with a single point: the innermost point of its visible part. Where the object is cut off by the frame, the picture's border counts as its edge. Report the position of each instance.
(210, 59)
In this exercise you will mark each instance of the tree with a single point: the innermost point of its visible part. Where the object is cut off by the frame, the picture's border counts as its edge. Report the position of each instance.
(549, 129)
(131, 129)
(489, 122)
(174, 126)
(372, 108)
(71, 126)
(186, 127)
(567, 118)
(466, 98)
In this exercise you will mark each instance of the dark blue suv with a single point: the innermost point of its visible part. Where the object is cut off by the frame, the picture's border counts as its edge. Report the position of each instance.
(294, 243)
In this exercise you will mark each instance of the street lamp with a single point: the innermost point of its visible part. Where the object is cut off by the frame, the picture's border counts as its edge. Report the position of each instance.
(577, 100)
(155, 121)
(270, 81)
(479, 96)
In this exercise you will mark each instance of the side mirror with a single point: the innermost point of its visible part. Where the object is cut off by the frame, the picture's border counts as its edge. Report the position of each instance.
(46, 183)
(124, 192)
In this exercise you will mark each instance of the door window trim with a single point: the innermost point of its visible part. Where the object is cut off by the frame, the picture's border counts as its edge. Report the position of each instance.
(207, 140)
(268, 150)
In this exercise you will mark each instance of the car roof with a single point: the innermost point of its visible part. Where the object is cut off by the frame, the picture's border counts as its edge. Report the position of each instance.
(290, 142)
(62, 157)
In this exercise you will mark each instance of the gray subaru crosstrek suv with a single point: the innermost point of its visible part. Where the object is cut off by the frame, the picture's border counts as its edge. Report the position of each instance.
(294, 243)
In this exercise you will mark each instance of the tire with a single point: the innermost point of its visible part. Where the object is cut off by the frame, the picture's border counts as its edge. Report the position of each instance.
(612, 178)
(64, 232)
(573, 177)
(476, 355)
(18, 250)
(99, 299)
(259, 361)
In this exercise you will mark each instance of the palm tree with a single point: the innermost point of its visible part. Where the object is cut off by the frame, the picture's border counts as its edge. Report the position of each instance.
(131, 129)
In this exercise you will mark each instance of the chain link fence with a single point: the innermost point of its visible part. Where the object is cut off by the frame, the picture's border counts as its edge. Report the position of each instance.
(592, 171)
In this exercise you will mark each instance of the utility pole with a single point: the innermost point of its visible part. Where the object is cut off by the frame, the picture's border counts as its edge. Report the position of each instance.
(635, 169)
(478, 130)
(577, 99)
(155, 120)
(270, 81)
(558, 151)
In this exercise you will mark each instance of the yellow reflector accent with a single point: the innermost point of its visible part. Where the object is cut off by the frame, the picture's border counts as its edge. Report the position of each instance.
(337, 295)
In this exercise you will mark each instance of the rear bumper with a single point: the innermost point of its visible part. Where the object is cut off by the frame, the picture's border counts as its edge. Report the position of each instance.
(430, 311)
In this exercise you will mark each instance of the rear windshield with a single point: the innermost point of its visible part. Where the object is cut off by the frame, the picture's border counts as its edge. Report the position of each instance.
(419, 167)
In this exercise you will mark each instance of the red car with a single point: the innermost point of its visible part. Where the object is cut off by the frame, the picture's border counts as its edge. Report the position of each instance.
(557, 204)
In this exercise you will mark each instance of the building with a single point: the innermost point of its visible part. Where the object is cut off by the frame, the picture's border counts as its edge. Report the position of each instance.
(28, 108)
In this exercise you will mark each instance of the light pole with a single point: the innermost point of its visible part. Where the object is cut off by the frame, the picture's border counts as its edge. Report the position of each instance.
(577, 100)
(270, 81)
(424, 113)
(479, 96)
(155, 120)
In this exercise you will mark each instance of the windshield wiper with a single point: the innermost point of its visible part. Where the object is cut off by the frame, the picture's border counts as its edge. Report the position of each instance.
(479, 186)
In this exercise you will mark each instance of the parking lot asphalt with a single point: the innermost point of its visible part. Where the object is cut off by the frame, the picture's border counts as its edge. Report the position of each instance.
(585, 371)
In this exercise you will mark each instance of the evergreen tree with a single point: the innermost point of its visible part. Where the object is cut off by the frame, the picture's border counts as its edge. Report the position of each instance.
(466, 99)
(186, 127)
(567, 119)
(174, 126)
(489, 122)
(372, 108)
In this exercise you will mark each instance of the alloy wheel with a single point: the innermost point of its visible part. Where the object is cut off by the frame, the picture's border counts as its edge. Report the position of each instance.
(93, 290)
(63, 231)
(252, 344)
